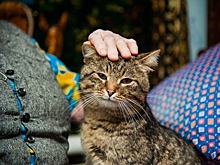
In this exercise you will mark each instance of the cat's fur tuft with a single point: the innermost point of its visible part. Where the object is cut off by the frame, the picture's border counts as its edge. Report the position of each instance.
(119, 128)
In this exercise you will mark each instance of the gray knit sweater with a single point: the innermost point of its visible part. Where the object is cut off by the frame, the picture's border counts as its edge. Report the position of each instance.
(33, 108)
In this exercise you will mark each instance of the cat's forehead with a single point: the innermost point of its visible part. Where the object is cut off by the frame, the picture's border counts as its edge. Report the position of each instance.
(117, 67)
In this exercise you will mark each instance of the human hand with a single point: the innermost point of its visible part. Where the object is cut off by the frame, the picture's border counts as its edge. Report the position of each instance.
(77, 115)
(108, 44)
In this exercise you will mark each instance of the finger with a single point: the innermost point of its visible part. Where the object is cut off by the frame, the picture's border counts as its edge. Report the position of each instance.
(123, 48)
(111, 47)
(132, 45)
(96, 40)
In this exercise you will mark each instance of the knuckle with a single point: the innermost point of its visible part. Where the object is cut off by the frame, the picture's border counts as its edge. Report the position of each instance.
(108, 32)
(120, 41)
(131, 40)
(95, 33)
(108, 37)
(98, 31)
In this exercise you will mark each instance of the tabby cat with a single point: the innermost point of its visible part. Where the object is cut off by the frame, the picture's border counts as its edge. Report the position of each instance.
(119, 128)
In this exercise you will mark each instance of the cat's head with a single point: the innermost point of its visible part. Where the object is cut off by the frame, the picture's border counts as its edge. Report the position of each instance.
(116, 86)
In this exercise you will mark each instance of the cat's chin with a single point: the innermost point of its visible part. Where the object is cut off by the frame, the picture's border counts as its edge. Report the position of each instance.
(107, 103)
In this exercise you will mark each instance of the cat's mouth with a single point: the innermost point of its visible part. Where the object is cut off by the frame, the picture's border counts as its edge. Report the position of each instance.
(106, 96)
(108, 101)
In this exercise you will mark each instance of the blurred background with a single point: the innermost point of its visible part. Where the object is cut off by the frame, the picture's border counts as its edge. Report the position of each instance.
(182, 29)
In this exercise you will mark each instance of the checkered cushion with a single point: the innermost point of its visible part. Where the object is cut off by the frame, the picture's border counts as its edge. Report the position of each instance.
(189, 102)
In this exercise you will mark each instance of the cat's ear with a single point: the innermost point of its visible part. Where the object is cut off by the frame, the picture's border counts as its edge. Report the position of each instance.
(88, 52)
(148, 60)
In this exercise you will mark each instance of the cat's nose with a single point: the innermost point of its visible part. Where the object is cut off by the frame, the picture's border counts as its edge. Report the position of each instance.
(110, 92)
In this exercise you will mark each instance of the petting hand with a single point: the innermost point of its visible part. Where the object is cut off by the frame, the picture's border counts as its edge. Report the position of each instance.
(108, 44)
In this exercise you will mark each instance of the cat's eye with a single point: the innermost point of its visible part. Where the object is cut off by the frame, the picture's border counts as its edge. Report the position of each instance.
(102, 76)
(126, 81)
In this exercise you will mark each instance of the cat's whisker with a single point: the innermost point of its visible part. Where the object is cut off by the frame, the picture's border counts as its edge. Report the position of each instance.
(68, 107)
(78, 92)
(123, 110)
(86, 96)
(78, 107)
(76, 110)
(84, 91)
(95, 97)
(136, 111)
(127, 110)
(136, 103)
(133, 116)
(88, 99)
(130, 107)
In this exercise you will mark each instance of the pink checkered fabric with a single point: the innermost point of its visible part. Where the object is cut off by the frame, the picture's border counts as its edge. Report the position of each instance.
(189, 102)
